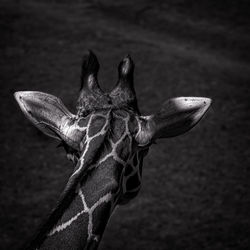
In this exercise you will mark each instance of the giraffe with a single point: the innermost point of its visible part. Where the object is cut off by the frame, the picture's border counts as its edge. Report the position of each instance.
(107, 140)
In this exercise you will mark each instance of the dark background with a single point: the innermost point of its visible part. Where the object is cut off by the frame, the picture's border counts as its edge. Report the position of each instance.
(195, 192)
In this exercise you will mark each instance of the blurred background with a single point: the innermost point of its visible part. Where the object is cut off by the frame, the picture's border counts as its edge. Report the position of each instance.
(195, 192)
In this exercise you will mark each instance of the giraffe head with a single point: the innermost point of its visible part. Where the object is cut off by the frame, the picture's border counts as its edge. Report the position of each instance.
(108, 129)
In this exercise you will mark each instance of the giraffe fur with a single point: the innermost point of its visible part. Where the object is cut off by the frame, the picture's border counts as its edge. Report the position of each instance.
(107, 140)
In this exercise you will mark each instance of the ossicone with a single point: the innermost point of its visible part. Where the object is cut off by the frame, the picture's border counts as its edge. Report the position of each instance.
(90, 68)
(124, 92)
(126, 70)
(91, 96)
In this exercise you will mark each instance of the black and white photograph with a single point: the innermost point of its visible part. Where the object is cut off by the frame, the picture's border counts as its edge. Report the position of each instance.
(125, 125)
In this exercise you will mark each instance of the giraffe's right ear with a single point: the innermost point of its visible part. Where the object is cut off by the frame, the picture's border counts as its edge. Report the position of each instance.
(176, 116)
(49, 115)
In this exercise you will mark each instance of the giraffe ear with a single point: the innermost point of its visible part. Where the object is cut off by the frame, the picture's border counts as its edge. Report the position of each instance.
(48, 114)
(176, 116)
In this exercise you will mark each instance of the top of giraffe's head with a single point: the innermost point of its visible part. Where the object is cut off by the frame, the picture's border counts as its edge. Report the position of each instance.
(47, 112)
(91, 95)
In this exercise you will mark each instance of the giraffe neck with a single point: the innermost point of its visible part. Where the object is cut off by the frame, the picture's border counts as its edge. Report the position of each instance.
(106, 171)
(83, 178)
(83, 222)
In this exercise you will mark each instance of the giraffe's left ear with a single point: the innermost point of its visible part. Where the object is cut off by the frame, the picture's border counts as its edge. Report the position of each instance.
(49, 115)
(176, 116)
